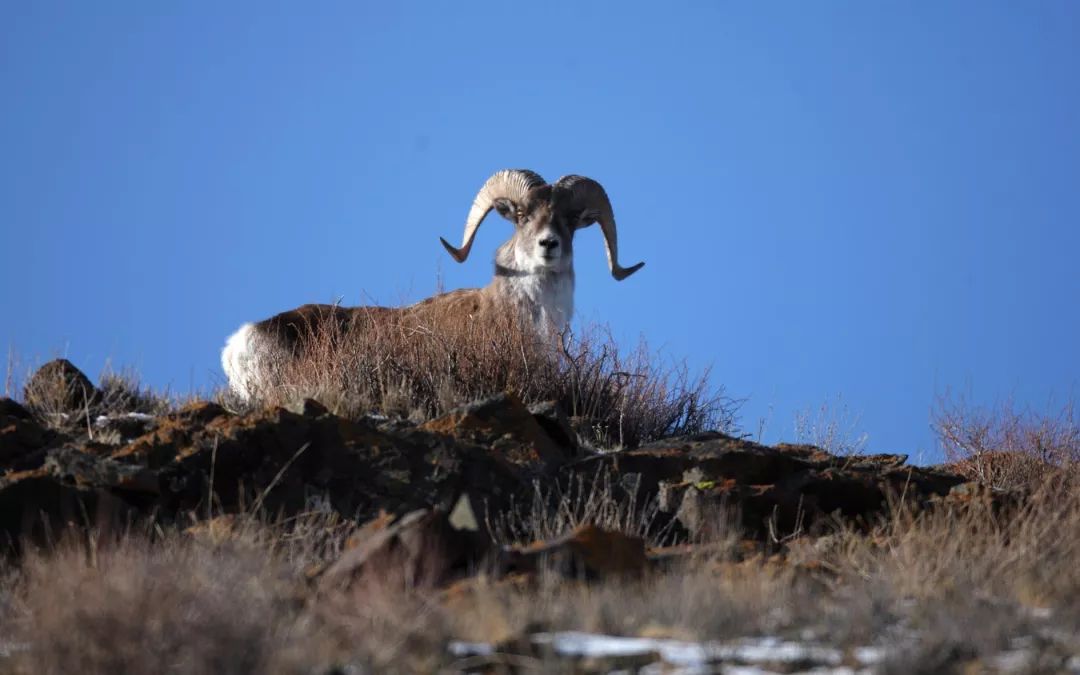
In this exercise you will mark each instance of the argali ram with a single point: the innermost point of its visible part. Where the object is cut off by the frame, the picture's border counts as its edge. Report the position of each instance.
(534, 276)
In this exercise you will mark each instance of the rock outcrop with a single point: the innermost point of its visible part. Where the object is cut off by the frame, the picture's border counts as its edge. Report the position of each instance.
(773, 490)
(493, 454)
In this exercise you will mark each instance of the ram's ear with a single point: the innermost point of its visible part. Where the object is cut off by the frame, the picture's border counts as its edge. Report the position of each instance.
(584, 218)
(506, 208)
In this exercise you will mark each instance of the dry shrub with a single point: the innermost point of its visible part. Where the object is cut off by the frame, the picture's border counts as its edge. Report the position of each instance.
(701, 601)
(71, 404)
(391, 627)
(1004, 447)
(1025, 552)
(832, 427)
(387, 627)
(961, 582)
(142, 607)
(601, 500)
(424, 365)
(226, 595)
(304, 541)
(122, 392)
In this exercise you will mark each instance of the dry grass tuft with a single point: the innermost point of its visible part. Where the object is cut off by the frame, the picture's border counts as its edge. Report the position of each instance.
(142, 607)
(833, 427)
(428, 365)
(605, 500)
(961, 583)
(122, 392)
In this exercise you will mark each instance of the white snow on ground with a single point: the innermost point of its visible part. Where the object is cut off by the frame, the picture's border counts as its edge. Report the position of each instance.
(458, 648)
(102, 420)
(755, 670)
(777, 650)
(868, 656)
(751, 656)
(677, 656)
(678, 653)
(588, 645)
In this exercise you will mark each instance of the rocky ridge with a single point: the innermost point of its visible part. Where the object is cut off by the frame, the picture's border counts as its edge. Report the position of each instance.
(423, 501)
(489, 455)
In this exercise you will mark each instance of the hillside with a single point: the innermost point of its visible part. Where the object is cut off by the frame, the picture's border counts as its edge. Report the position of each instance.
(493, 538)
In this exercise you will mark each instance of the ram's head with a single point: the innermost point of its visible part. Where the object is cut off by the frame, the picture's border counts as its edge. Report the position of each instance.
(545, 218)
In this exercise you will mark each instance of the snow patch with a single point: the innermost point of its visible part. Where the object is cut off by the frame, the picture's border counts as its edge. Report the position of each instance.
(461, 649)
(743, 657)
(102, 420)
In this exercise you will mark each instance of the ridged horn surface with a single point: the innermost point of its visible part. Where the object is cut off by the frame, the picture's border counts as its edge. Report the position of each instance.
(587, 196)
(509, 184)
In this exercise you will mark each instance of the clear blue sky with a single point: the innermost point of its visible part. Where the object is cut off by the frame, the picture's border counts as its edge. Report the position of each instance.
(873, 200)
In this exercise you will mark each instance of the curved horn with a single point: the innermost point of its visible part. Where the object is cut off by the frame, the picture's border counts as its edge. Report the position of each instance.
(588, 196)
(504, 191)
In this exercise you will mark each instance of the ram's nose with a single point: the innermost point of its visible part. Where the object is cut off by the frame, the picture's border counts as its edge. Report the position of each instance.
(549, 244)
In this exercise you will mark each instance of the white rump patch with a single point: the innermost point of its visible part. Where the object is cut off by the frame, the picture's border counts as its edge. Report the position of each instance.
(240, 361)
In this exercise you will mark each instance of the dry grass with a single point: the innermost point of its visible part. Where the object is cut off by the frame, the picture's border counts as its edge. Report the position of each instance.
(967, 581)
(602, 500)
(940, 588)
(1008, 448)
(833, 427)
(427, 366)
(137, 607)
(122, 392)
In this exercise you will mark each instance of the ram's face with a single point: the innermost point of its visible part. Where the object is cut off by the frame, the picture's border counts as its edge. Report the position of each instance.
(545, 238)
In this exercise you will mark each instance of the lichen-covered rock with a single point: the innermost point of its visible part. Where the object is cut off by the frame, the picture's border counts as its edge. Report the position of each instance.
(74, 467)
(11, 409)
(284, 462)
(552, 418)
(775, 491)
(503, 423)
(22, 439)
(37, 507)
